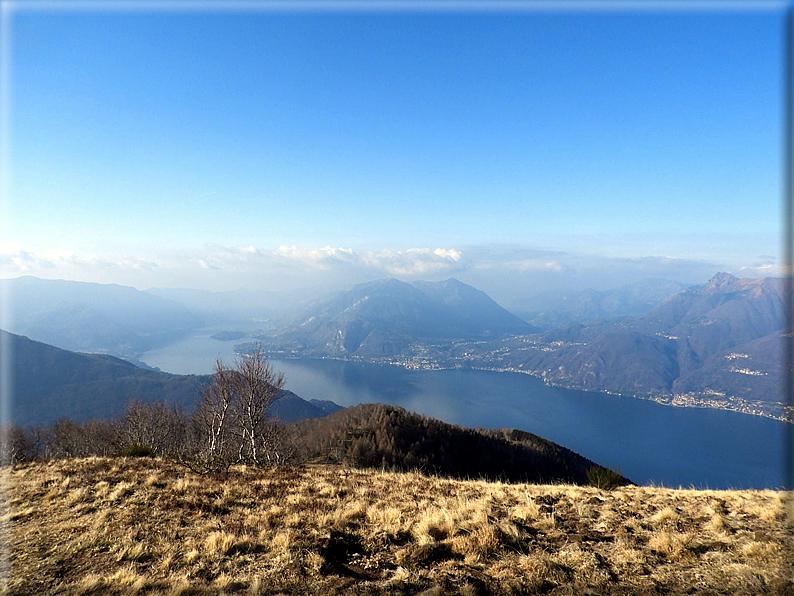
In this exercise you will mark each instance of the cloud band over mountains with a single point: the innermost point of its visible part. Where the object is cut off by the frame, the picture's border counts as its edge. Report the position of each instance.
(501, 270)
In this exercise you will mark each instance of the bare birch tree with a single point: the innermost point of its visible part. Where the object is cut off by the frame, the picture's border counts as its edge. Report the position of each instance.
(257, 386)
(215, 418)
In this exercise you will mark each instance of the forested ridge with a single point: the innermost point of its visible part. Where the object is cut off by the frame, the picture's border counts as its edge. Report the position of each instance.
(383, 436)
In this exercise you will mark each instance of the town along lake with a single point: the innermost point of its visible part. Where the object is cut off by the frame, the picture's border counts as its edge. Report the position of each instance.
(648, 442)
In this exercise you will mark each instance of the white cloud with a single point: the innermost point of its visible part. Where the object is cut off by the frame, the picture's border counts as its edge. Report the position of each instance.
(204, 265)
(416, 261)
(321, 258)
(532, 265)
(502, 271)
(449, 253)
(763, 269)
(413, 261)
(519, 259)
(15, 261)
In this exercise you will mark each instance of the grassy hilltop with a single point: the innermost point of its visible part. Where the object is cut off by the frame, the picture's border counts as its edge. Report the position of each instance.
(147, 526)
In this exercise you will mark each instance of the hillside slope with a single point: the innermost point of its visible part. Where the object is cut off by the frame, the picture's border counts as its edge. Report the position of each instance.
(94, 317)
(382, 436)
(50, 383)
(719, 339)
(134, 526)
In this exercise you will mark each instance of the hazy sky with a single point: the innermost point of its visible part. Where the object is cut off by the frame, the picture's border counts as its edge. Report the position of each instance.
(277, 149)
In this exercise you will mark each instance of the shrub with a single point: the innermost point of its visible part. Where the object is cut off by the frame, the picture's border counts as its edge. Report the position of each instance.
(604, 478)
(152, 425)
(137, 450)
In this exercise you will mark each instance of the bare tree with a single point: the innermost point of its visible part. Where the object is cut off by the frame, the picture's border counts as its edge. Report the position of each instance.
(68, 439)
(257, 386)
(232, 418)
(147, 427)
(18, 445)
(278, 446)
(214, 418)
(101, 436)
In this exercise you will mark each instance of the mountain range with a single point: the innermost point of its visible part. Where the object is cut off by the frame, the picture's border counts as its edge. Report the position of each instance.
(719, 339)
(709, 344)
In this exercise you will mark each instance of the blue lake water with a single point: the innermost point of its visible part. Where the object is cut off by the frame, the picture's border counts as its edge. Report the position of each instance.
(648, 442)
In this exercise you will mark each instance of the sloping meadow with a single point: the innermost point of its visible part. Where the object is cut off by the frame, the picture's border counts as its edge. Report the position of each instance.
(145, 526)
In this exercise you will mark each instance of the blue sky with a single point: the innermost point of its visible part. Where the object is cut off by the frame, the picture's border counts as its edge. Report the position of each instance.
(168, 148)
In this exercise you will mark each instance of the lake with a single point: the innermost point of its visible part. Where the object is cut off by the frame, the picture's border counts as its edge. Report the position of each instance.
(648, 442)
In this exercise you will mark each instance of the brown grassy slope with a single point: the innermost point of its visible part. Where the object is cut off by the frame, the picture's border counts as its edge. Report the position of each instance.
(130, 526)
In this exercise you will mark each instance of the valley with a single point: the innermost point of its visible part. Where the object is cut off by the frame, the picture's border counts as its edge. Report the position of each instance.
(713, 345)
(718, 345)
(376, 297)
(447, 350)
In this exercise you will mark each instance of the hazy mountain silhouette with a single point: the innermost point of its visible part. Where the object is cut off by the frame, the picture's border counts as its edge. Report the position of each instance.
(560, 308)
(266, 308)
(385, 317)
(95, 317)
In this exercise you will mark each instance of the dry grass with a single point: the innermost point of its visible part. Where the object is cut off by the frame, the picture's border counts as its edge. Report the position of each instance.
(135, 526)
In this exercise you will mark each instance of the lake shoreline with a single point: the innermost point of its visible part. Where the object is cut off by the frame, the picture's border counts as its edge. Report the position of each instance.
(773, 411)
(672, 446)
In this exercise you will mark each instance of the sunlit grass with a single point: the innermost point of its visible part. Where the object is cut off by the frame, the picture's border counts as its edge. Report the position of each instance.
(143, 526)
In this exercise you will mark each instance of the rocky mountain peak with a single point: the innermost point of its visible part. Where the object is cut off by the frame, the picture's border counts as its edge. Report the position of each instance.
(721, 281)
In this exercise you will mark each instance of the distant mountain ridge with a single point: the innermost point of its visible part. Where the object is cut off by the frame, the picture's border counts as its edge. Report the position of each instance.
(258, 308)
(385, 317)
(722, 338)
(50, 383)
(560, 308)
(94, 317)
